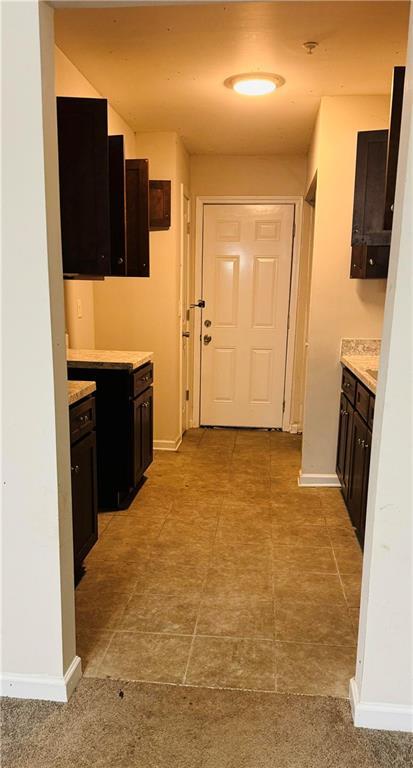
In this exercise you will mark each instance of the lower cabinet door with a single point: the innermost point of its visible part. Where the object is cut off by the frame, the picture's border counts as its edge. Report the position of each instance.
(147, 430)
(367, 451)
(344, 432)
(357, 475)
(142, 433)
(84, 497)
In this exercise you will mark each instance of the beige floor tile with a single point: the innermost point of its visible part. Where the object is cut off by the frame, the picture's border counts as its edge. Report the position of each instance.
(355, 618)
(305, 559)
(325, 624)
(352, 588)
(104, 518)
(342, 536)
(91, 645)
(150, 657)
(237, 582)
(300, 535)
(113, 577)
(236, 616)
(173, 614)
(232, 663)
(300, 498)
(321, 588)
(164, 577)
(120, 551)
(99, 610)
(349, 558)
(319, 670)
(285, 515)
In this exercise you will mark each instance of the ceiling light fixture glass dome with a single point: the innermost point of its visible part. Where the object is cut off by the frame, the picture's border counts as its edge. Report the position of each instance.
(254, 83)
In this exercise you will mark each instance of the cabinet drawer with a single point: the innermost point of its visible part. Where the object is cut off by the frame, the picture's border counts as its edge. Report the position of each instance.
(372, 403)
(142, 379)
(82, 419)
(348, 385)
(362, 401)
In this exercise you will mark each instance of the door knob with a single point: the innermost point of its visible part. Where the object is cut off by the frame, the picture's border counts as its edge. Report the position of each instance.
(207, 339)
(186, 334)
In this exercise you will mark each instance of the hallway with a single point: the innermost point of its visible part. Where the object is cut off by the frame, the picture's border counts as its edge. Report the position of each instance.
(224, 574)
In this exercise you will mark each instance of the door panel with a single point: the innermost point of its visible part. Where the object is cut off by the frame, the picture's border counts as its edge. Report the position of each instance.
(247, 251)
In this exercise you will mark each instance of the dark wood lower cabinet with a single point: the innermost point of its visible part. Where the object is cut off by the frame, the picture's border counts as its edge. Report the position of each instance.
(84, 481)
(124, 431)
(353, 451)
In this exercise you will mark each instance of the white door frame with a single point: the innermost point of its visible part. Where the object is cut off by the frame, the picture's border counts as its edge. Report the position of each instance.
(201, 201)
(184, 194)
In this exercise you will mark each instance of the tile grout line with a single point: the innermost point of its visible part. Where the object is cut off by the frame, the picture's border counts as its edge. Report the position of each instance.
(200, 598)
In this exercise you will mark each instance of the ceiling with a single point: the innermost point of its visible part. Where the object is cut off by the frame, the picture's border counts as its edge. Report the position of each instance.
(163, 67)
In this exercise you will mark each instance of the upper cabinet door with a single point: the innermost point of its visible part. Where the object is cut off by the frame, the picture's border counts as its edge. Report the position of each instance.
(394, 140)
(137, 217)
(129, 212)
(117, 205)
(369, 185)
(84, 186)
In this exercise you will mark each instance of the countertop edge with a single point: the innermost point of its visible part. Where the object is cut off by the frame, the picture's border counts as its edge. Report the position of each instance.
(348, 361)
(82, 389)
(114, 365)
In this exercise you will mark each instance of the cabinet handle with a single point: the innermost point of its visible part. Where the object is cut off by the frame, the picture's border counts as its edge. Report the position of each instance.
(366, 445)
(75, 469)
(344, 413)
(358, 441)
(371, 262)
(145, 405)
(120, 260)
(84, 418)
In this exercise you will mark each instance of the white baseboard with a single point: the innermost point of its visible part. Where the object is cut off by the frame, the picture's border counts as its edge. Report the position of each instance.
(382, 717)
(296, 429)
(315, 481)
(167, 445)
(46, 688)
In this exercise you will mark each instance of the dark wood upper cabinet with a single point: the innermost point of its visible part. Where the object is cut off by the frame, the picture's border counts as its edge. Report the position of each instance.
(137, 217)
(84, 186)
(393, 147)
(129, 212)
(159, 205)
(117, 205)
(376, 171)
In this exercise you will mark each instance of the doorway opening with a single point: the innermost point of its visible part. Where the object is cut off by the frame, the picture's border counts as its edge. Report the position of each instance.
(246, 274)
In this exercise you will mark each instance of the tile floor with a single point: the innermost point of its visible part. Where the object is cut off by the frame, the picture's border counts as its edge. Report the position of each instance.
(223, 573)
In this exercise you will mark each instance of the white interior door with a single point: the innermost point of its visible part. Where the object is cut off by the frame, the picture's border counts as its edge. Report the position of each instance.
(247, 254)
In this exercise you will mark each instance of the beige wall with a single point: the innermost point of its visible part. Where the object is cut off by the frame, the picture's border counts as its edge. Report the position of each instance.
(70, 82)
(248, 175)
(143, 313)
(339, 307)
(283, 175)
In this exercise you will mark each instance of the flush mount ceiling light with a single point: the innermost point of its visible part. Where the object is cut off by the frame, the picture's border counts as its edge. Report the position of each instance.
(254, 83)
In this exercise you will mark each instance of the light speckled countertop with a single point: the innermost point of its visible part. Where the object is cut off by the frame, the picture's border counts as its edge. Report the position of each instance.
(107, 358)
(76, 390)
(362, 357)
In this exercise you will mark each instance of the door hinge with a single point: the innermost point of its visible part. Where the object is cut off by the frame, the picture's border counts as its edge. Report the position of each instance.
(188, 315)
(187, 394)
(294, 228)
(188, 228)
(283, 406)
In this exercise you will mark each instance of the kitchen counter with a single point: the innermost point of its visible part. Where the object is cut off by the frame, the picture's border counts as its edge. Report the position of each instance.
(77, 390)
(105, 358)
(362, 357)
